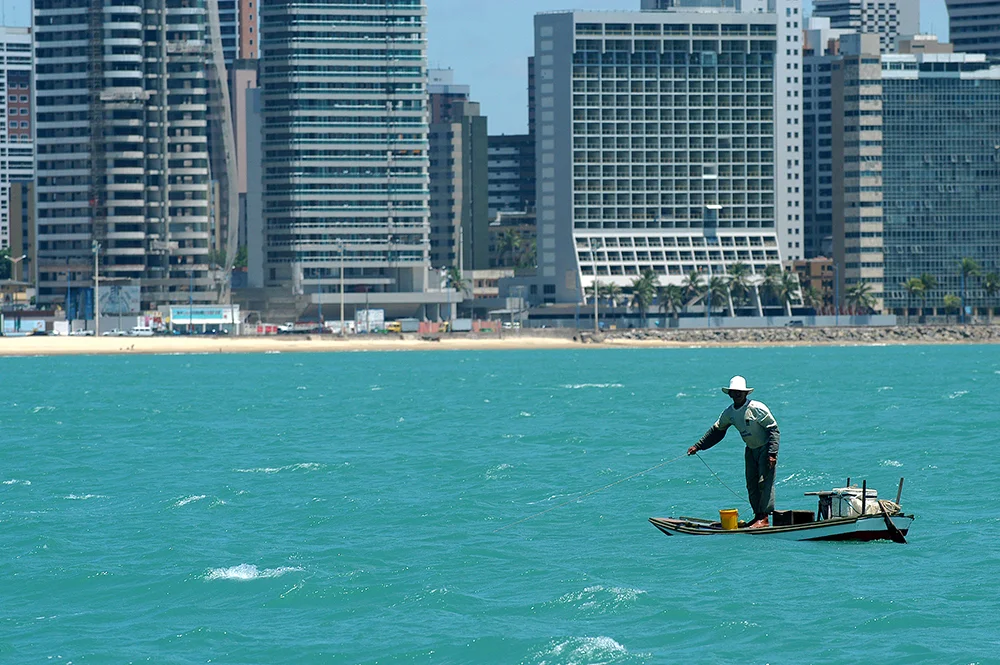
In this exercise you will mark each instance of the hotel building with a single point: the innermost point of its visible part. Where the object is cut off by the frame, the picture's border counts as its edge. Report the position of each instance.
(667, 140)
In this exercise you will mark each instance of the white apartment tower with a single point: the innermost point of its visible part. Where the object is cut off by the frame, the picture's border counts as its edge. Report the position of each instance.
(345, 164)
(123, 95)
(667, 140)
(16, 147)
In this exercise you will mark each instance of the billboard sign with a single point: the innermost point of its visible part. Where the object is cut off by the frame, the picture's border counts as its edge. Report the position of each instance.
(119, 299)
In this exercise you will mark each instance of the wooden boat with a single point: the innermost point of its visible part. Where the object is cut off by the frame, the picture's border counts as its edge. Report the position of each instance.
(847, 513)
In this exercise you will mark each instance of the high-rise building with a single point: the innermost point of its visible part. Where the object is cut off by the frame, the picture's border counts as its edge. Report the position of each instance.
(889, 19)
(459, 186)
(915, 138)
(940, 173)
(511, 174)
(125, 96)
(249, 37)
(345, 124)
(818, 54)
(16, 147)
(974, 26)
(856, 82)
(667, 141)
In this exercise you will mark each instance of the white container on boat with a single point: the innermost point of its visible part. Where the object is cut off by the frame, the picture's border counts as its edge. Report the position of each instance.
(846, 502)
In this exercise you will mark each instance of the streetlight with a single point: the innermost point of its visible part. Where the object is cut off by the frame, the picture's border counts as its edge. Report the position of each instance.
(593, 249)
(340, 244)
(836, 293)
(447, 289)
(13, 268)
(96, 248)
(319, 299)
(191, 300)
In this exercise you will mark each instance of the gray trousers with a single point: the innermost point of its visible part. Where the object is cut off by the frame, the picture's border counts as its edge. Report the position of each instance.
(760, 481)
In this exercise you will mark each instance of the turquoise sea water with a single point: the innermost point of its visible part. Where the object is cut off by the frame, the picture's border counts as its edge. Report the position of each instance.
(342, 508)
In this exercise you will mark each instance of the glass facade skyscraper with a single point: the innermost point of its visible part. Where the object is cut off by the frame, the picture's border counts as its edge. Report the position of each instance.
(345, 163)
(941, 172)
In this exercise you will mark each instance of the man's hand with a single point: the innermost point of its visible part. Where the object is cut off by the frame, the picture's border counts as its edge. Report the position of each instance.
(692, 450)
(772, 460)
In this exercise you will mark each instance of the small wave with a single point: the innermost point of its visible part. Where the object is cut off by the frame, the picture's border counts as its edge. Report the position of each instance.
(580, 386)
(524, 414)
(883, 388)
(39, 409)
(681, 395)
(84, 497)
(189, 499)
(601, 598)
(497, 472)
(306, 466)
(890, 462)
(247, 571)
(957, 394)
(269, 353)
(584, 650)
(15, 481)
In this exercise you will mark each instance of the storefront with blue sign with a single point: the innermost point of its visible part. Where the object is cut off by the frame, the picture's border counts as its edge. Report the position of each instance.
(204, 319)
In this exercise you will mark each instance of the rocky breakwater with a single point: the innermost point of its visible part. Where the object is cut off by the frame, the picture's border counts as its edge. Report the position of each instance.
(915, 334)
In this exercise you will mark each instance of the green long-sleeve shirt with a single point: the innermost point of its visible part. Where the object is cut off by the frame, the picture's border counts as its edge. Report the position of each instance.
(754, 422)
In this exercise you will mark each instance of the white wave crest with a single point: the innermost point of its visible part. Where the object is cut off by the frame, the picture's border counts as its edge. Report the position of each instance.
(579, 650)
(580, 386)
(305, 466)
(890, 462)
(15, 481)
(247, 571)
(188, 499)
(601, 598)
(957, 394)
(84, 497)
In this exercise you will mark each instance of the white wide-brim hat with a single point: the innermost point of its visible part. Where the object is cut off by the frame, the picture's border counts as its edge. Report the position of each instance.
(738, 383)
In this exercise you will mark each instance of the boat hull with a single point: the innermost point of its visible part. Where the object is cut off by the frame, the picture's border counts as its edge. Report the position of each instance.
(865, 528)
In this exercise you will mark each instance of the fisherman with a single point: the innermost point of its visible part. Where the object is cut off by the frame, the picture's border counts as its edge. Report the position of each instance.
(760, 432)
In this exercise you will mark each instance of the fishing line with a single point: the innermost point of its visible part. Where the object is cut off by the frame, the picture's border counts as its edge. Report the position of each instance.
(717, 477)
(584, 496)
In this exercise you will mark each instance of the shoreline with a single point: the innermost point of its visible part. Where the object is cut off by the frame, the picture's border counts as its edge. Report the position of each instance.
(52, 345)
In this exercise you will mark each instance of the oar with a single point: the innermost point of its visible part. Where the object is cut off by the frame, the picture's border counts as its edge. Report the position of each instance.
(894, 533)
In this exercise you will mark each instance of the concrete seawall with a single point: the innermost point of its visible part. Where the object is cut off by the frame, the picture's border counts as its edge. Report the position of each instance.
(915, 334)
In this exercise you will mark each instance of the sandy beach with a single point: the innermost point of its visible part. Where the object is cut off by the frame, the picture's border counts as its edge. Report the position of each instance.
(52, 345)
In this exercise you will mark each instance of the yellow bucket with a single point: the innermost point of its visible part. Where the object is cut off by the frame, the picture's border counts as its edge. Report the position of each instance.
(729, 519)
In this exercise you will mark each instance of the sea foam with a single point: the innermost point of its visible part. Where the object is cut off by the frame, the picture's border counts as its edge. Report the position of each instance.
(247, 571)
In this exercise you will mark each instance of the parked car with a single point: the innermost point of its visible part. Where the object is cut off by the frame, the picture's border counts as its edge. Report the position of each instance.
(82, 333)
(140, 331)
(114, 332)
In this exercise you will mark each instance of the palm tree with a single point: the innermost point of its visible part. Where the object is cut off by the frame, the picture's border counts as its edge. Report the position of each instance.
(671, 297)
(951, 303)
(739, 283)
(643, 290)
(529, 253)
(930, 283)
(718, 293)
(914, 287)
(968, 268)
(859, 296)
(771, 285)
(509, 244)
(788, 288)
(692, 287)
(812, 298)
(991, 284)
(459, 283)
